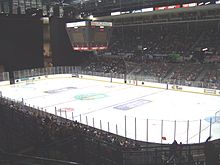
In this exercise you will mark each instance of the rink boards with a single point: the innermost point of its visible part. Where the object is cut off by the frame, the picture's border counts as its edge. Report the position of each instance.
(122, 81)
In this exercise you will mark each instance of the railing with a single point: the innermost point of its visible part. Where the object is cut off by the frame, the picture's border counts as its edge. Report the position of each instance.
(199, 84)
(10, 158)
(158, 155)
(77, 70)
(4, 76)
(45, 71)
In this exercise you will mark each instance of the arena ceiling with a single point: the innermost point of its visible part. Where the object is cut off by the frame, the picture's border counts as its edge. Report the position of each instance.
(121, 2)
(94, 6)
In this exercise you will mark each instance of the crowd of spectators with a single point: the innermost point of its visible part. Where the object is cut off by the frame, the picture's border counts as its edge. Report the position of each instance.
(170, 17)
(184, 39)
(157, 68)
(212, 75)
(188, 73)
(171, 52)
(106, 65)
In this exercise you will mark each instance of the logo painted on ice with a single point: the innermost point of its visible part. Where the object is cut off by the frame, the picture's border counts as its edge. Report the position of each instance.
(66, 109)
(90, 96)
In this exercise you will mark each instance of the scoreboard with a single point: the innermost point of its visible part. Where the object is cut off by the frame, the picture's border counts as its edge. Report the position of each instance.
(89, 35)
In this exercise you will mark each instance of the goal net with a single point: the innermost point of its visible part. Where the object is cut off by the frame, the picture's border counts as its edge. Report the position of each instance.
(217, 117)
(29, 81)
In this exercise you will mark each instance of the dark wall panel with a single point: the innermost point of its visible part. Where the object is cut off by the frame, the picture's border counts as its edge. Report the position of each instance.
(21, 42)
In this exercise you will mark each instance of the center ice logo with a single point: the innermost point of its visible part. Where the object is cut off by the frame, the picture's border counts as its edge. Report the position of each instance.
(90, 96)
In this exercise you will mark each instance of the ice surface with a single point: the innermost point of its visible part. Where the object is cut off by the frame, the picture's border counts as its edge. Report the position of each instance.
(158, 112)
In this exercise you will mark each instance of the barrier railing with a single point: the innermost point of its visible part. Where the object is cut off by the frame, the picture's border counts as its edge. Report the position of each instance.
(10, 158)
(149, 130)
(46, 71)
(73, 70)
(4, 76)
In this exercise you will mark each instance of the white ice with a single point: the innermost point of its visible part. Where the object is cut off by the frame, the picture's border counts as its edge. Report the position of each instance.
(162, 108)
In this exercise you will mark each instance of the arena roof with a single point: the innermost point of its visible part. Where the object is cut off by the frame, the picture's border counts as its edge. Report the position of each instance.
(96, 8)
(105, 6)
(120, 2)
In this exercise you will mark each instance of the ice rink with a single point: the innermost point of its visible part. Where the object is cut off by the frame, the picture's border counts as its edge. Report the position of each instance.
(142, 113)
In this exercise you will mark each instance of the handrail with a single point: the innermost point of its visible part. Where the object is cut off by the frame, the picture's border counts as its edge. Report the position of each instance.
(41, 160)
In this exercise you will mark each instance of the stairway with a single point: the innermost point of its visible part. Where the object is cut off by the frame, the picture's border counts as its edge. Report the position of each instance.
(197, 41)
(202, 74)
(169, 75)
